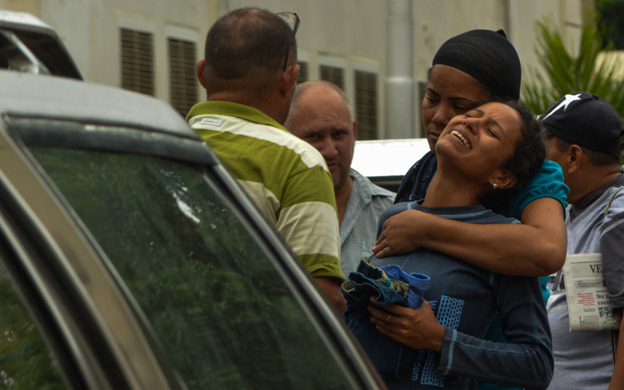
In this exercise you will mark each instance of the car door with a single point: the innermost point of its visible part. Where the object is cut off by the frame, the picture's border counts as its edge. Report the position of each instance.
(146, 267)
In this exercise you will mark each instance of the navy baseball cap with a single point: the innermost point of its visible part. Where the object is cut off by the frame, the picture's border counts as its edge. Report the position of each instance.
(586, 120)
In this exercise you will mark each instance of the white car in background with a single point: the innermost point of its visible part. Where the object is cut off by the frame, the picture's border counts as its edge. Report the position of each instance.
(385, 162)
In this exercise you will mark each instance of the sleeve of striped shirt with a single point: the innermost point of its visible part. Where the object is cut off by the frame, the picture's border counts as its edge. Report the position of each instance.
(308, 221)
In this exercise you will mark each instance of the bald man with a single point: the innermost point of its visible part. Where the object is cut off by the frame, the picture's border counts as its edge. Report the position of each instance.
(320, 114)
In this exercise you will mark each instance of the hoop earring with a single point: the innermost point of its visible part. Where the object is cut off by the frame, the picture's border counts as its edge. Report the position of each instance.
(494, 186)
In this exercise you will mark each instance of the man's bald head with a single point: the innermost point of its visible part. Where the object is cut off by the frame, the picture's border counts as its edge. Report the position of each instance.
(245, 50)
(304, 88)
(320, 115)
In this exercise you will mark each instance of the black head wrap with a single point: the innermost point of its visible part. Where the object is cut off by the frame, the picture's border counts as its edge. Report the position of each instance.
(487, 56)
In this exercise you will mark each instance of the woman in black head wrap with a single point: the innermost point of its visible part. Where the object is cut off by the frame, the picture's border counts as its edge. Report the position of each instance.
(486, 56)
(468, 70)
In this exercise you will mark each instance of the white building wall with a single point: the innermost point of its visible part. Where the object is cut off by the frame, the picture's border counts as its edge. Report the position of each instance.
(350, 34)
(353, 33)
(90, 29)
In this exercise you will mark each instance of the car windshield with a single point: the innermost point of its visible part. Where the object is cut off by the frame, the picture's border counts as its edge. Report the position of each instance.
(207, 285)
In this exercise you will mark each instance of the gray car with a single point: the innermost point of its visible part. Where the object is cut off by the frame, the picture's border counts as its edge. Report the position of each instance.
(131, 259)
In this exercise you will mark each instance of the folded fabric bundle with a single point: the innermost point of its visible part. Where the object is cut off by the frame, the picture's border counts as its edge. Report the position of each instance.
(389, 285)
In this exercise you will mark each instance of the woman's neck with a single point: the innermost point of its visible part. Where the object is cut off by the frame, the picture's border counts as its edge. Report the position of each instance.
(451, 191)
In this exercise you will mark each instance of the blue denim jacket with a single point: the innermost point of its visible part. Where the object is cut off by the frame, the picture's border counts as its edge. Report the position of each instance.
(389, 285)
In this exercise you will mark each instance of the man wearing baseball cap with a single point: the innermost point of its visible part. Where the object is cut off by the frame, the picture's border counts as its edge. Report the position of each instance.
(584, 137)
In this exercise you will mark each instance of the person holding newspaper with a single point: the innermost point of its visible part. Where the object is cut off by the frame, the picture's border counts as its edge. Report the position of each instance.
(584, 137)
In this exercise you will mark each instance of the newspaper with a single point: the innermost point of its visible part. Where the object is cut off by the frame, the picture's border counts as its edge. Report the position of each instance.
(589, 308)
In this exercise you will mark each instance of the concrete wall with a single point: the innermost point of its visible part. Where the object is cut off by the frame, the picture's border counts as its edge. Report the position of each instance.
(352, 34)
(90, 29)
(30, 6)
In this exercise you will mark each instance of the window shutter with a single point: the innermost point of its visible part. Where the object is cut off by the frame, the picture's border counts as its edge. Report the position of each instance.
(366, 104)
(182, 78)
(137, 61)
(333, 75)
(303, 72)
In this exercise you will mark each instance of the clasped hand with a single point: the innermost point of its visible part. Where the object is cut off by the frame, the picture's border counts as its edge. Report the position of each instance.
(401, 234)
(416, 328)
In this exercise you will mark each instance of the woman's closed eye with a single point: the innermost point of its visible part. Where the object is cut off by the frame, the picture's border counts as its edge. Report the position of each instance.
(431, 100)
(461, 109)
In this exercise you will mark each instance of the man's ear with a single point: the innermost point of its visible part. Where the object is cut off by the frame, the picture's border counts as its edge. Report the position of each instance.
(504, 179)
(287, 79)
(574, 158)
(200, 69)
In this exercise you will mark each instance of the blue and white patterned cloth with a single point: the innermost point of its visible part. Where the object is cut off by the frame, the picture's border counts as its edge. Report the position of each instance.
(390, 286)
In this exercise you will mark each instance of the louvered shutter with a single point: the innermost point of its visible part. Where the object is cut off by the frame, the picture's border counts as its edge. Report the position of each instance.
(137, 61)
(366, 104)
(333, 75)
(183, 83)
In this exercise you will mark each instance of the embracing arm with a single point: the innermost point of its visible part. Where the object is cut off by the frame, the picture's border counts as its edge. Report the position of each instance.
(537, 247)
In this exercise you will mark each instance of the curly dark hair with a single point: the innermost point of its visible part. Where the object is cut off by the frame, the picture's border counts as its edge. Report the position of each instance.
(527, 158)
(530, 151)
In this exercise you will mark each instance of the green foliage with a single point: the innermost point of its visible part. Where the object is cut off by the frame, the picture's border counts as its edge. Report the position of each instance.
(612, 20)
(566, 73)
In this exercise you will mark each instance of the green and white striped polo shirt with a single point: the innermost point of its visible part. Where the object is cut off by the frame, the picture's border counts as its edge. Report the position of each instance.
(287, 178)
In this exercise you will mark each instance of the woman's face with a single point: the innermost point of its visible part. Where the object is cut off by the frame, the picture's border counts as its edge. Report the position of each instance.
(481, 141)
(450, 92)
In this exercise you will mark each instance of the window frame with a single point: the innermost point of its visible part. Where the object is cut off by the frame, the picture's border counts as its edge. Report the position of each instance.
(19, 254)
(330, 328)
(78, 305)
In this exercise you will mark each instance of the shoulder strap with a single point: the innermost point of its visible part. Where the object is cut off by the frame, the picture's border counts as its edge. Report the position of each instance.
(606, 211)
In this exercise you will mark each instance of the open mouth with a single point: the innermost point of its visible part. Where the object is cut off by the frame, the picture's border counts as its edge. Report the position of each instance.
(462, 139)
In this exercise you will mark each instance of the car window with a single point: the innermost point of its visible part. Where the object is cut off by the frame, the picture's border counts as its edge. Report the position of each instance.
(221, 310)
(26, 362)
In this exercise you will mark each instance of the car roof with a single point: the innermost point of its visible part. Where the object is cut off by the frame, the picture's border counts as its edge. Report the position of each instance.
(37, 38)
(28, 95)
(23, 21)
